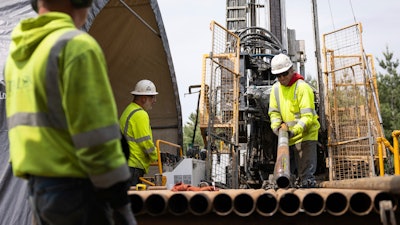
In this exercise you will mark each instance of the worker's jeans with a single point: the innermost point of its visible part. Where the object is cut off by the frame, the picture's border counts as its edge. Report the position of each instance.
(303, 161)
(135, 174)
(66, 201)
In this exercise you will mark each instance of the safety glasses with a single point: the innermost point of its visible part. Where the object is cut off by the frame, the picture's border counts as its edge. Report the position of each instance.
(284, 74)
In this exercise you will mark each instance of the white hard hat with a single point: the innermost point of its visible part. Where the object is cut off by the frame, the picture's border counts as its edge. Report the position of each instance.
(280, 63)
(144, 87)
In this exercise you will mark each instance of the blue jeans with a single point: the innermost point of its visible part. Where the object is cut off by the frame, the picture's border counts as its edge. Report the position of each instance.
(66, 201)
(135, 174)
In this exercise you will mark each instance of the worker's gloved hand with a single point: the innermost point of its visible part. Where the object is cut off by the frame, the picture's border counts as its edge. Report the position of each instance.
(117, 197)
(276, 130)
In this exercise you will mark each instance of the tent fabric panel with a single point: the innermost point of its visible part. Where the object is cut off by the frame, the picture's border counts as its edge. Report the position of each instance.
(134, 52)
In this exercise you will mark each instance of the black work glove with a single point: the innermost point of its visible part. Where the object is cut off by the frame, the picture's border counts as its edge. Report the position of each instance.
(276, 130)
(117, 197)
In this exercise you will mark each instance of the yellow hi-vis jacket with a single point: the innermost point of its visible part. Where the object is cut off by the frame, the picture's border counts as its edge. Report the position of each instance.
(61, 113)
(294, 105)
(135, 126)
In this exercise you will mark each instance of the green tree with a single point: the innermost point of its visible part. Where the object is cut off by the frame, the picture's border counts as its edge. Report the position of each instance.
(389, 93)
(188, 130)
(311, 81)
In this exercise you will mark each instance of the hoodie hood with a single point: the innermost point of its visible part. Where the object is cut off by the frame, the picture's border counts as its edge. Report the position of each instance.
(295, 77)
(30, 32)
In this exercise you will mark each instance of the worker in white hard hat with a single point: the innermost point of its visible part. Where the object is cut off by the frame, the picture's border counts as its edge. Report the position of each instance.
(292, 102)
(135, 127)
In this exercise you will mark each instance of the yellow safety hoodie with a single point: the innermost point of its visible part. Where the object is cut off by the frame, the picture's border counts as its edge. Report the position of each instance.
(139, 136)
(61, 112)
(294, 105)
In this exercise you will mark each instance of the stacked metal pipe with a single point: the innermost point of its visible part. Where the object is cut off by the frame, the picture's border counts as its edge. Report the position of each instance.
(244, 202)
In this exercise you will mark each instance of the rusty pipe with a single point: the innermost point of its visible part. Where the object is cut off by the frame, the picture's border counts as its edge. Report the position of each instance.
(244, 203)
(267, 203)
(311, 201)
(378, 196)
(360, 203)
(137, 205)
(282, 165)
(313, 204)
(200, 203)
(178, 204)
(156, 203)
(337, 203)
(223, 203)
(382, 197)
(389, 184)
(289, 202)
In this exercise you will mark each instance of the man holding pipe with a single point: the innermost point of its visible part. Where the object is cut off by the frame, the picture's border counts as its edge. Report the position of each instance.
(292, 102)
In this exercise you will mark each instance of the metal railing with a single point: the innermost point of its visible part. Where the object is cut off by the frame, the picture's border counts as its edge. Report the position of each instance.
(159, 163)
(383, 142)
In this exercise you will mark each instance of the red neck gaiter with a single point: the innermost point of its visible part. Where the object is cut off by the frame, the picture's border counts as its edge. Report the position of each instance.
(295, 77)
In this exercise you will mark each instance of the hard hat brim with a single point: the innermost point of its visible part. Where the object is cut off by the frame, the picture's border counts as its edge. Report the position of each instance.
(141, 93)
(280, 70)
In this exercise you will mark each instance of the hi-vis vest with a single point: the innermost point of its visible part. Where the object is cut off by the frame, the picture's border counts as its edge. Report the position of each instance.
(135, 126)
(53, 130)
(294, 105)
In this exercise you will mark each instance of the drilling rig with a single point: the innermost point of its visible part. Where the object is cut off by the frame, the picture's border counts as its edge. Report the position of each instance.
(235, 92)
(234, 99)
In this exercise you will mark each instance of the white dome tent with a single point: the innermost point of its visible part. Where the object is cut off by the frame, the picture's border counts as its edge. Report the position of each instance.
(133, 38)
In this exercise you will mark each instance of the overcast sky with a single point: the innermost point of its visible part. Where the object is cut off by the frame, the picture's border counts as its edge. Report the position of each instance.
(187, 26)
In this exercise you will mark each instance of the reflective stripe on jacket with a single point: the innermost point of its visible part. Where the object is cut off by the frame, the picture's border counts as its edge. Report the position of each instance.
(61, 112)
(139, 136)
(294, 105)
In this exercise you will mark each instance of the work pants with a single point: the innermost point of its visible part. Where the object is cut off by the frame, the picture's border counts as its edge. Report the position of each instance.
(66, 201)
(303, 161)
(135, 174)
